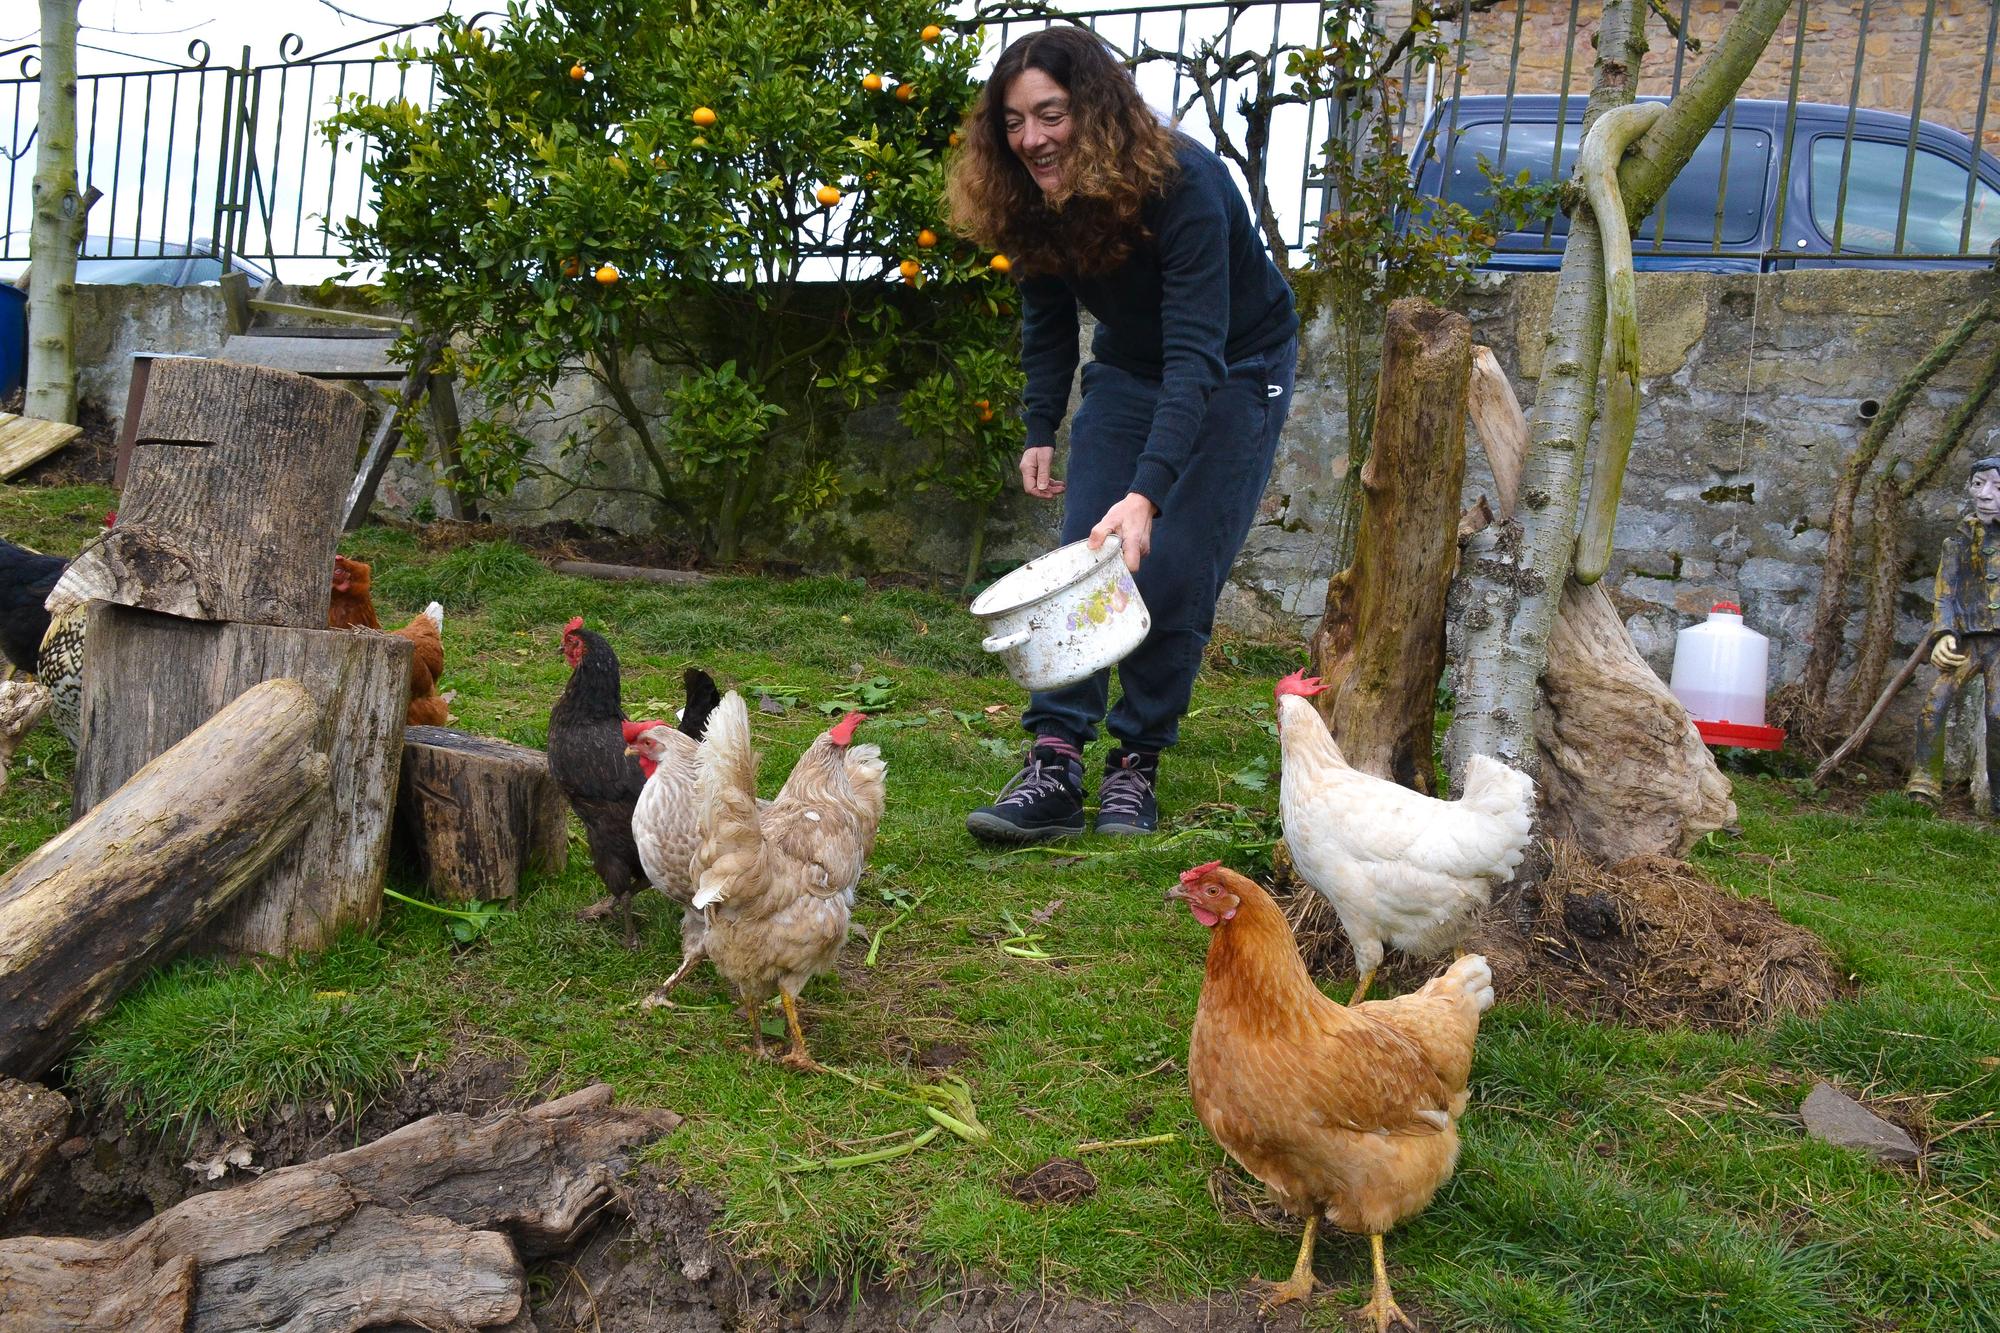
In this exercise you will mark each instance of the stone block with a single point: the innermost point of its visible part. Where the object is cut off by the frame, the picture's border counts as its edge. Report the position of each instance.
(1831, 1116)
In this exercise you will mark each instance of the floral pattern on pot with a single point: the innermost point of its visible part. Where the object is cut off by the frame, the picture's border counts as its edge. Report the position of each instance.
(1109, 600)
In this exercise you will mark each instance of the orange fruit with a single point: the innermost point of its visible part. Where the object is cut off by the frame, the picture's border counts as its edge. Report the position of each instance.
(951, 140)
(904, 92)
(827, 195)
(703, 117)
(926, 238)
(606, 275)
(932, 32)
(872, 82)
(986, 414)
(981, 404)
(910, 269)
(1000, 264)
(699, 141)
(572, 267)
(577, 71)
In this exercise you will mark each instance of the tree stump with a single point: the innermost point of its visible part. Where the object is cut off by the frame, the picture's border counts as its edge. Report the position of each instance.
(1380, 645)
(426, 1226)
(149, 680)
(126, 885)
(474, 812)
(231, 508)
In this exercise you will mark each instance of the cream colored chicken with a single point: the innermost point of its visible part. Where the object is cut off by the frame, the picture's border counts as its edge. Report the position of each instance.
(1401, 869)
(777, 883)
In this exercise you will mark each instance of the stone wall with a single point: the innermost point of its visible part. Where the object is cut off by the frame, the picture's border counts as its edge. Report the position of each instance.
(1754, 393)
(1952, 61)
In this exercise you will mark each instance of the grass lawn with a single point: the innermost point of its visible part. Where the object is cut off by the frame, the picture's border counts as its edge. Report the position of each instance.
(1611, 1178)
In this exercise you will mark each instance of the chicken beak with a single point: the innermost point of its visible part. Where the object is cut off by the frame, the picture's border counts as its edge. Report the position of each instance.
(1177, 891)
(632, 751)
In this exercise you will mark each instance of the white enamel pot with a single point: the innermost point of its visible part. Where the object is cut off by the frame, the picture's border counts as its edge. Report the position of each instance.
(1064, 616)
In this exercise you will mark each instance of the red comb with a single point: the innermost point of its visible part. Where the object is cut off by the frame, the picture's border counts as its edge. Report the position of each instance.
(634, 730)
(1299, 683)
(110, 517)
(575, 624)
(1190, 876)
(842, 732)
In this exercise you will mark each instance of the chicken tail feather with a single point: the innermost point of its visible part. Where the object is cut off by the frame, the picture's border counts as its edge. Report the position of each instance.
(1492, 788)
(732, 835)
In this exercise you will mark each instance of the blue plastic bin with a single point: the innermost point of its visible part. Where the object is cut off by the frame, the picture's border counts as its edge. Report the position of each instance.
(13, 339)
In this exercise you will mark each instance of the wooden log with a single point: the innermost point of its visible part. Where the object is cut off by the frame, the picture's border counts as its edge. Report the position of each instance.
(1624, 772)
(126, 885)
(1380, 645)
(588, 569)
(22, 703)
(33, 1120)
(231, 507)
(473, 812)
(427, 1226)
(149, 679)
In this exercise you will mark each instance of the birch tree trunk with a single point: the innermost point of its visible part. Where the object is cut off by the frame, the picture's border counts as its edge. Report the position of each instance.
(1516, 570)
(58, 224)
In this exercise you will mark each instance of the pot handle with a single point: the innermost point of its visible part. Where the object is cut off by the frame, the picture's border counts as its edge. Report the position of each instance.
(1000, 643)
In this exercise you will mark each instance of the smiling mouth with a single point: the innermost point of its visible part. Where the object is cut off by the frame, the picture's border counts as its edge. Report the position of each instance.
(1043, 162)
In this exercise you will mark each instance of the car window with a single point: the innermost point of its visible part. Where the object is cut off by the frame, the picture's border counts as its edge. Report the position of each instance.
(155, 268)
(203, 268)
(1690, 201)
(1875, 194)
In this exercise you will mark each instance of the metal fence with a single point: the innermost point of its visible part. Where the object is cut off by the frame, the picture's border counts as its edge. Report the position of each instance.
(1868, 144)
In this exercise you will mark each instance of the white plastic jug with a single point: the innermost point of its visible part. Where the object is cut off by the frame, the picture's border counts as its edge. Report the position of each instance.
(1719, 668)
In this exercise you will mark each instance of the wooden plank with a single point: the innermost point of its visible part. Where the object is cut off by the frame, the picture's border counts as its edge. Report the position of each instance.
(236, 300)
(375, 461)
(320, 358)
(360, 317)
(26, 441)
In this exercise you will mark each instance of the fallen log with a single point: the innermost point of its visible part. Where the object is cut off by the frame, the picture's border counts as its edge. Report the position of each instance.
(125, 886)
(427, 1226)
(588, 569)
(474, 812)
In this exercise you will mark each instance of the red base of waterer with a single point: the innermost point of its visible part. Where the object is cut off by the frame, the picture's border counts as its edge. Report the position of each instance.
(1741, 735)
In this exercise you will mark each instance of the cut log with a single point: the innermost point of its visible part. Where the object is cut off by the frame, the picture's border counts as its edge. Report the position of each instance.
(33, 1120)
(231, 506)
(427, 1226)
(1380, 646)
(124, 887)
(1624, 772)
(473, 812)
(149, 680)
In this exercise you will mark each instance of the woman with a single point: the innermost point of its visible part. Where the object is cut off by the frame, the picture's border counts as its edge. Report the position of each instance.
(1069, 173)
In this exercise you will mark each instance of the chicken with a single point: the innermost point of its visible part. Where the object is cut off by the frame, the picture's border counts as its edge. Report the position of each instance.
(351, 606)
(589, 762)
(26, 577)
(1399, 867)
(663, 822)
(428, 708)
(777, 883)
(60, 666)
(1347, 1114)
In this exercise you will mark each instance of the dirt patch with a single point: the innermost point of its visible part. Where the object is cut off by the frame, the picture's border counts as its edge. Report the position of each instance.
(1650, 941)
(91, 457)
(1058, 1180)
(110, 1176)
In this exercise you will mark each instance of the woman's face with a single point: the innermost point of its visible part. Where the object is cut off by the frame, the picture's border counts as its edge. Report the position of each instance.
(1035, 113)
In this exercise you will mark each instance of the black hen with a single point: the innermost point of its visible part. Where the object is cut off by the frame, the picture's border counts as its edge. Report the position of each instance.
(587, 759)
(25, 580)
(702, 698)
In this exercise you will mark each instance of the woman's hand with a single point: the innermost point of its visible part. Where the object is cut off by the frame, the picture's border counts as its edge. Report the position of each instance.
(1036, 465)
(1132, 519)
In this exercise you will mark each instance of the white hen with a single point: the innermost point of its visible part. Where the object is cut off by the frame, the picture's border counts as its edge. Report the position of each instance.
(1401, 869)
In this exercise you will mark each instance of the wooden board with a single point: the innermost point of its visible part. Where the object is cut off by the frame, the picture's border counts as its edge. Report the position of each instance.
(26, 441)
(341, 357)
(149, 680)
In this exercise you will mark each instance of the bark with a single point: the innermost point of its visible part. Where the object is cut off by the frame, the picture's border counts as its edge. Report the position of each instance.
(149, 680)
(1517, 570)
(1380, 644)
(473, 813)
(231, 501)
(57, 230)
(22, 703)
(33, 1120)
(124, 887)
(1501, 426)
(427, 1226)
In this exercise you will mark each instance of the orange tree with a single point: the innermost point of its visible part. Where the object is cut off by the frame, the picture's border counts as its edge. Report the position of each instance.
(648, 197)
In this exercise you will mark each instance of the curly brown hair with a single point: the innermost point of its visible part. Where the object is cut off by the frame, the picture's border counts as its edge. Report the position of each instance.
(1119, 155)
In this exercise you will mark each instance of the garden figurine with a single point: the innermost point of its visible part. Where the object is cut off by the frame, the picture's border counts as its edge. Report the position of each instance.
(1967, 626)
(1097, 203)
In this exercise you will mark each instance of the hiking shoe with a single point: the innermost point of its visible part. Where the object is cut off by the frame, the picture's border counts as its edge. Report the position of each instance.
(1126, 804)
(1042, 802)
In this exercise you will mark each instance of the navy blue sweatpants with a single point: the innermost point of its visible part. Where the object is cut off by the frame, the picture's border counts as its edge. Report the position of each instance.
(1196, 536)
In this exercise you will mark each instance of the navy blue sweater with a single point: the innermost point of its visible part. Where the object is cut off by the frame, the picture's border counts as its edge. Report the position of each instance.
(1199, 296)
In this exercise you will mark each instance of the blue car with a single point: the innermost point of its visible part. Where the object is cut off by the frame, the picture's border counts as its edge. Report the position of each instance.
(1771, 187)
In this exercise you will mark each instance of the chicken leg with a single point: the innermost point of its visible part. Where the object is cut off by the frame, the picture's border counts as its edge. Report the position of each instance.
(1361, 988)
(1382, 1308)
(658, 999)
(1300, 1284)
(797, 1057)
